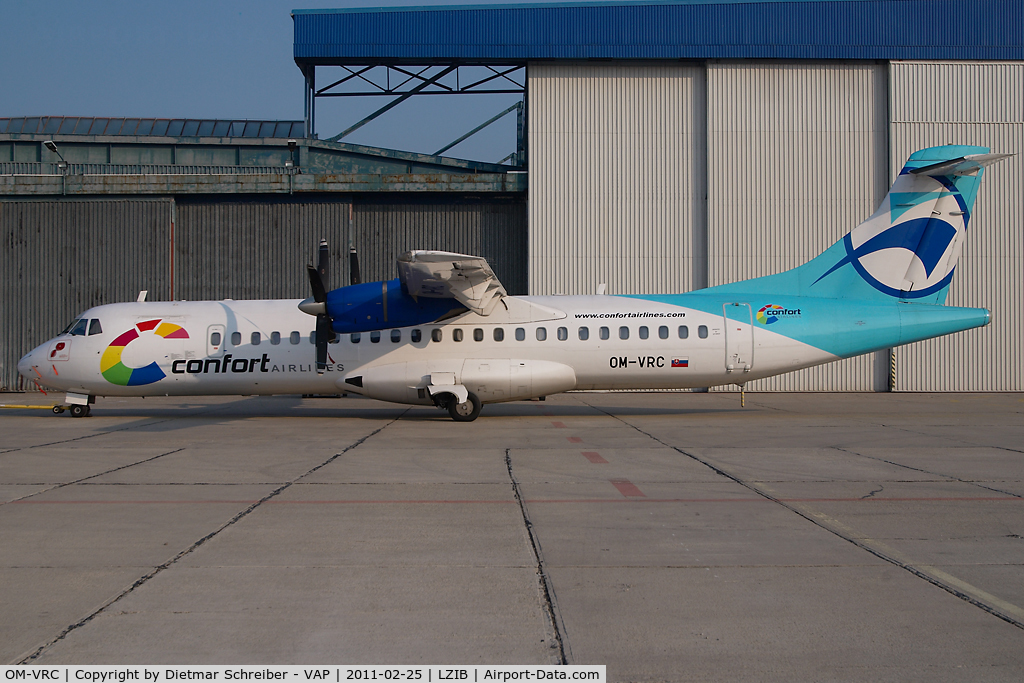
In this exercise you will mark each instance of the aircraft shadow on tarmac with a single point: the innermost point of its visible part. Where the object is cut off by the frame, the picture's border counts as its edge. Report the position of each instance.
(155, 417)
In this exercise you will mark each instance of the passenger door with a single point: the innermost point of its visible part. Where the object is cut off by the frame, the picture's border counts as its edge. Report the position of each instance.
(739, 337)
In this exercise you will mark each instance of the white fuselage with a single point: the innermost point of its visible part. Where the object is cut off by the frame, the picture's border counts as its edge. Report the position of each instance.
(529, 346)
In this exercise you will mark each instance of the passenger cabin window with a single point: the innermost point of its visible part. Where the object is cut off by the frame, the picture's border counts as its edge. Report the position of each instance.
(396, 336)
(215, 339)
(457, 334)
(563, 333)
(254, 339)
(95, 327)
(603, 333)
(375, 337)
(623, 332)
(416, 336)
(294, 337)
(78, 330)
(275, 338)
(542, 333)
(435, 334)
(478, 334)
(702, 331)
(355, 337)
(584, 333)
(663, 332)
(499, 334)
(644, 333)
(520, 334)
(312, 337)
(684, 332)
(236, 338)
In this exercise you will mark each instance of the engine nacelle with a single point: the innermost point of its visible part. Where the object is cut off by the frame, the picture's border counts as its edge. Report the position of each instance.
(492, 379)
(382, 305)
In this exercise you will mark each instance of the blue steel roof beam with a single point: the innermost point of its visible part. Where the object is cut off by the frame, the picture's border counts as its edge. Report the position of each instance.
(391, 105)
(472, 88)
(419, 76)
(497, 74)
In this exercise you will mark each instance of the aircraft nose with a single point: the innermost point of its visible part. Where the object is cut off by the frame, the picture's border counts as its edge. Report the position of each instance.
(25, 364)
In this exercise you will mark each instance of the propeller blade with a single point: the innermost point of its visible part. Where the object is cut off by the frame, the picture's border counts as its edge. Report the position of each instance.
(323, 334)
(316, 284)
(353, 266)
(323, 262)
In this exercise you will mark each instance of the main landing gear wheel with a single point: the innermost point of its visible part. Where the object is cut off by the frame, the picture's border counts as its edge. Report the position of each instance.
(80, 411)
(466, 411)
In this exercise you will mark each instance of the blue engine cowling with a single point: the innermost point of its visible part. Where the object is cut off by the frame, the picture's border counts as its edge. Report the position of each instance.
(381, 305)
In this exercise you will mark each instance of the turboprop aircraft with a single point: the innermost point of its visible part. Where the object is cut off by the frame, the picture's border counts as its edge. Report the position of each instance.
(446, 333)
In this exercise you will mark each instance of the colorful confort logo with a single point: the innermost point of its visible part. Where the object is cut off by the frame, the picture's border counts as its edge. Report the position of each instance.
(766, 315)
(116, 372)
(769, 314)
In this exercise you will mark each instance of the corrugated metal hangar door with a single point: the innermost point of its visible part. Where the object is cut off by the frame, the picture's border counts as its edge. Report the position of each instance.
(253, 249)
(64, 256)
(971, 104)
(616, 177)
(259, 249)
(670, 178)
(796, 158)
(61, 257)
(494, 228)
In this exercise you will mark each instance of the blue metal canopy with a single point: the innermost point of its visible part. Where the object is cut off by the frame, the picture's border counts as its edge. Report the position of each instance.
(686, 29)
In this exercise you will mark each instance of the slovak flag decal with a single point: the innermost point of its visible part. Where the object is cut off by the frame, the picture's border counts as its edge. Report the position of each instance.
(680, 362)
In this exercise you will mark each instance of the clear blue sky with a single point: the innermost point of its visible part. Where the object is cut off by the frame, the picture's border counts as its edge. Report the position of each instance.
(214, 59)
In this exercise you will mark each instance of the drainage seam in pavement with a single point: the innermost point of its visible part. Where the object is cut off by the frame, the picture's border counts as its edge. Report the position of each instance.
(846, 537)
(157, 570)
(91, 476)
(550, 607)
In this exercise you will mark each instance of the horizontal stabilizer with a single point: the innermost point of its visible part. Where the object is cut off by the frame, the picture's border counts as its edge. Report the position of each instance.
(966, 165)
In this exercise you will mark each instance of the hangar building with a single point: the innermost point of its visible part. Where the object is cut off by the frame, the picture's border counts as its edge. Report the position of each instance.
(666, 147)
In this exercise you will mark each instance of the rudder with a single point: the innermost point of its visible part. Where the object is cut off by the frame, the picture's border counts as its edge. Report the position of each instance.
(908, 248)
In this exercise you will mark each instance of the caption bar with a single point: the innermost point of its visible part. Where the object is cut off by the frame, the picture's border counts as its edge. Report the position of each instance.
(313, 674)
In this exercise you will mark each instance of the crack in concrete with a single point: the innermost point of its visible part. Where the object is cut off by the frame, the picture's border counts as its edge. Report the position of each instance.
(946, 477)
(872, 493)
(547, 590)
(937, 578)
(187, 551)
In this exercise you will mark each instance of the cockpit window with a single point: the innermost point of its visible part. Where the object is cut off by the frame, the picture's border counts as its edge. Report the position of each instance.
(78, 329)
(67, 330)
(95, 327)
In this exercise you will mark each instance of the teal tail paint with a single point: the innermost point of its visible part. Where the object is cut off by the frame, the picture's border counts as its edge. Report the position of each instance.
(908, 249)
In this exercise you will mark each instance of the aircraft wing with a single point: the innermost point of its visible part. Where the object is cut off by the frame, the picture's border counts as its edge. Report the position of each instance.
(446, 275)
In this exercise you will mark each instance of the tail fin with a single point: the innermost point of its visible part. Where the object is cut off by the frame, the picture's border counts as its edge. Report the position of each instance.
(908, 249)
